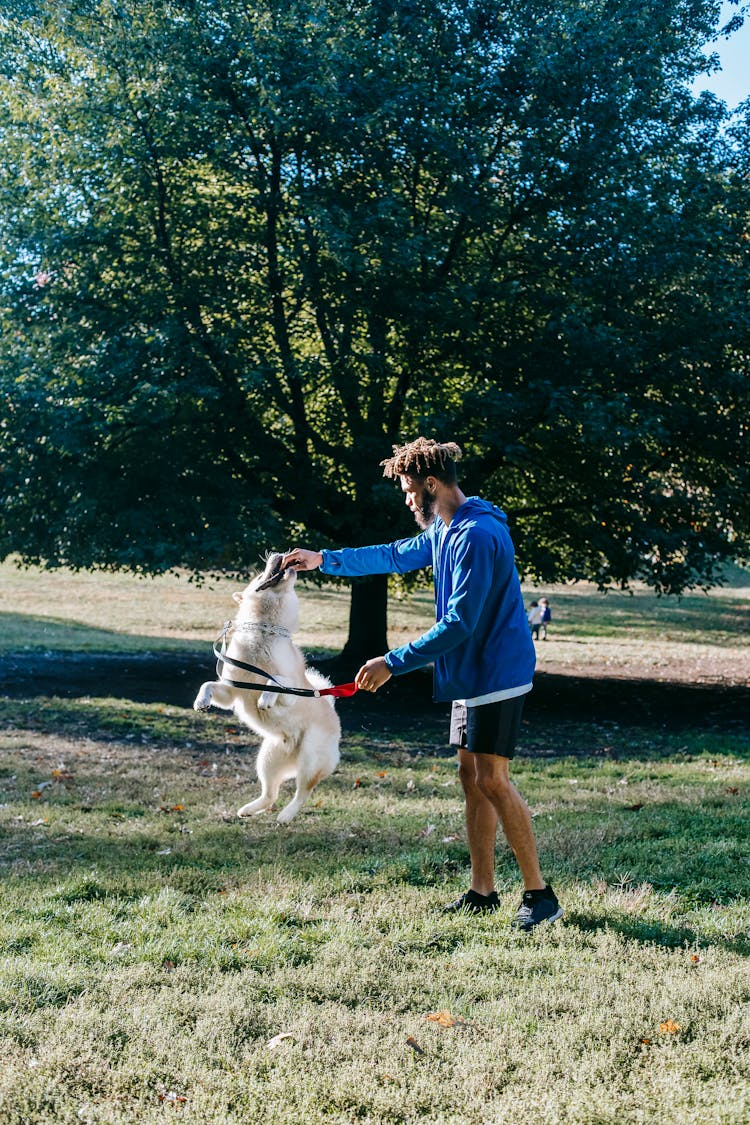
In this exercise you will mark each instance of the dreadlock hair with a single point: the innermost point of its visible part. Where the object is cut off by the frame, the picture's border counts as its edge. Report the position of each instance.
(424, 457)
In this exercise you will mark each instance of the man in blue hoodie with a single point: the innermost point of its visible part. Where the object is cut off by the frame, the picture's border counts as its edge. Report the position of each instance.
(482, 652)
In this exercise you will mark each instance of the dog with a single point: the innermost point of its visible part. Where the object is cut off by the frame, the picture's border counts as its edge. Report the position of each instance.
(300, 734)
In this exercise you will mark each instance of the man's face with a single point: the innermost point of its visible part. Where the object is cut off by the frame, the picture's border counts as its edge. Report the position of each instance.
(419, 501)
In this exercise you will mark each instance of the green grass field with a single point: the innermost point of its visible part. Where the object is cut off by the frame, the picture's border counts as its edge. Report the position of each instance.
(161, 960)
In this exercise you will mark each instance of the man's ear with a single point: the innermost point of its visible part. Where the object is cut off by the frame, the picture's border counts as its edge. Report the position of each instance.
(237, 598)
(430, 484)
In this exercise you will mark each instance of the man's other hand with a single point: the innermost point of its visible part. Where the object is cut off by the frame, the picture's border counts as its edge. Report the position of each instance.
(373, 674)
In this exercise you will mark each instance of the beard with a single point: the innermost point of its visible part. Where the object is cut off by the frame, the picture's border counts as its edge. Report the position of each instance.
(425, 513)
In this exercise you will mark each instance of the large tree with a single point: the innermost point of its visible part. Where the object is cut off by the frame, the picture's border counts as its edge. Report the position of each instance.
(248, 247)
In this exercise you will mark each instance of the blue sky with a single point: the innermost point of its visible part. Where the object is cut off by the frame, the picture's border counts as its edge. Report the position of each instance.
(732, 82)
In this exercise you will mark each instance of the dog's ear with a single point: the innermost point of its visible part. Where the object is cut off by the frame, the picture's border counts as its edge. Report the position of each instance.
(237, 597)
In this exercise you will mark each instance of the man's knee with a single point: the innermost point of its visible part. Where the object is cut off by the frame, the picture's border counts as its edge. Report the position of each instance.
(467, 774)
(494, 783)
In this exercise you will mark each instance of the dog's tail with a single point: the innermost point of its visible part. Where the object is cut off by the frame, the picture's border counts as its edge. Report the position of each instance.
(318, 681)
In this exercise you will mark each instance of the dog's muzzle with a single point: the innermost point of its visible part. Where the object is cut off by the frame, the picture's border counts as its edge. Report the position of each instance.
(273, 573)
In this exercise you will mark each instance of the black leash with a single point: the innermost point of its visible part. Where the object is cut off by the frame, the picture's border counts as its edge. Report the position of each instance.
(279, 688)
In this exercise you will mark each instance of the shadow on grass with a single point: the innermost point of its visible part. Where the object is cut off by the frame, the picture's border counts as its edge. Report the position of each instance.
(173, 678)
(657, 933)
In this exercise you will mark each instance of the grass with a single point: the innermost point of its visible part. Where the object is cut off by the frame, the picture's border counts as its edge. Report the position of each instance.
(161, 960)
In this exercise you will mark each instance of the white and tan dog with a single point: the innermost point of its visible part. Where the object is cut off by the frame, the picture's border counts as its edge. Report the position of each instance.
(300, 734)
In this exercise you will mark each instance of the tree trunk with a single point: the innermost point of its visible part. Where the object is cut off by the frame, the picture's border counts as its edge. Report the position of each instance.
(368, 621)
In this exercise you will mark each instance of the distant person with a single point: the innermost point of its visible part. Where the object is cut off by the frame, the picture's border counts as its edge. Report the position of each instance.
(534, 617)
(482, 653)
(546, 616)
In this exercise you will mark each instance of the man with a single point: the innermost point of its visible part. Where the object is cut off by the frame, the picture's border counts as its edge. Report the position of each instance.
(482, 651)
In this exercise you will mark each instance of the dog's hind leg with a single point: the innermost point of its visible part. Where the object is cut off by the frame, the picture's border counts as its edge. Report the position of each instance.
(273, 767)
(318, 759)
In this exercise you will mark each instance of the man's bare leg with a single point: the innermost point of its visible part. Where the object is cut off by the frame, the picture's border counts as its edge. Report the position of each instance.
(486, 781)
(481, 826)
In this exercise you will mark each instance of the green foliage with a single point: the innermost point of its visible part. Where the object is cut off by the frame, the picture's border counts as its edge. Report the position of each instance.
(246, 247)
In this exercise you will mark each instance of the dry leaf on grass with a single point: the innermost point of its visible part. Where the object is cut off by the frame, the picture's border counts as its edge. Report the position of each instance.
(411, 1042)
(427, 831)
(445, 1019)
(669, 1027)
(172, 1097)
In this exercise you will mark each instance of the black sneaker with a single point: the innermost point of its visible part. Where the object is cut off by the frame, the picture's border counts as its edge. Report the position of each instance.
(473, 903)
(536, 907)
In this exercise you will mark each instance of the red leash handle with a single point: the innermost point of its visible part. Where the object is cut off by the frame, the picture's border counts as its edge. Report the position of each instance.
(341, 690)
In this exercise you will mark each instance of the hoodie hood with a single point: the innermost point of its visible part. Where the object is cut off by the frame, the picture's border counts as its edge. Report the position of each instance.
(475, 506)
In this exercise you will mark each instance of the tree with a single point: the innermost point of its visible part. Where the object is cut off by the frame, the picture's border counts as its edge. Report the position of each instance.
(248, 248)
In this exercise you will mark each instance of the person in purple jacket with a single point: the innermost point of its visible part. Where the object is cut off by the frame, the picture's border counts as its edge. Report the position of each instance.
(481, 649)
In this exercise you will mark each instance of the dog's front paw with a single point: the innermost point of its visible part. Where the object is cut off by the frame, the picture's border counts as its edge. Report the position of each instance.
(266, 700)
(202, 700)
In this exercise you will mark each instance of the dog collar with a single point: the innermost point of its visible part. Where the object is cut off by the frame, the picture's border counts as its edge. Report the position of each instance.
(262, 627)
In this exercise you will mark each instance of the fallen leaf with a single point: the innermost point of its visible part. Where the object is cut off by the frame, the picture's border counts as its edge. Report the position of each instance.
(444, 1019)
(357, 783)
(732, 789)
(172, 1096)
(36, 823)
(427, 831)
(272, 1044)
(669, 1027)
(450, 839)
(382, 773)
(62, 775)
(645, 1042)
(633, 808)
(696, 958)
(411, 1042)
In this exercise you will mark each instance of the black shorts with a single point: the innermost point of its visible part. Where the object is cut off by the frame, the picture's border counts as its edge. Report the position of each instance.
(489, 728)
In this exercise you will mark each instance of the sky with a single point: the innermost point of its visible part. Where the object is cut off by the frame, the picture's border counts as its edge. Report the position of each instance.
(732, 82)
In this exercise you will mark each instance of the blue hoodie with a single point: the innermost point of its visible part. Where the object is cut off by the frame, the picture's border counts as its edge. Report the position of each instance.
(480, 642)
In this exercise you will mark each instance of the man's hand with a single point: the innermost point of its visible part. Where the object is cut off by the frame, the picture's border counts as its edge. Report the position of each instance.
(301, 559)
(373, 674)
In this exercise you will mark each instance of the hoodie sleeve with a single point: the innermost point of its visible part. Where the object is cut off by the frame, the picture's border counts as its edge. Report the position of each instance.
(471, 559)
(386, 558)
